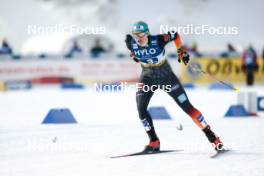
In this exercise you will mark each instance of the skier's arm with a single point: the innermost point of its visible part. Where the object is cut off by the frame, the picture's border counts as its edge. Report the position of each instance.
(175, 37)
(182, 54)
(178, 43)
(164, 39)
(128, 44)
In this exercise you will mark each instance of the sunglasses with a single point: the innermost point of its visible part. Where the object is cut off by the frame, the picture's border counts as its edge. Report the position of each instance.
(139, 35)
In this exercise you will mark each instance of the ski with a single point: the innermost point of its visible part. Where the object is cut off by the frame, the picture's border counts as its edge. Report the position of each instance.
(219, 153)
(144, 153)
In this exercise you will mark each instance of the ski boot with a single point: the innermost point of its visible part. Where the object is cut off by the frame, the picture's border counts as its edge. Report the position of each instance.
(215, 140)
(152, 147)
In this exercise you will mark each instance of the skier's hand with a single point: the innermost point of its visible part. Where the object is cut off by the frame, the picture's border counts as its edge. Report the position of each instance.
(183, 56)
(132, 55)
(128, 41)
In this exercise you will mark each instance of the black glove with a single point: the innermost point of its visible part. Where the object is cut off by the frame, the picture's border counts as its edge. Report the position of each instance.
(183, 56)
(132, 55)
(128, 41)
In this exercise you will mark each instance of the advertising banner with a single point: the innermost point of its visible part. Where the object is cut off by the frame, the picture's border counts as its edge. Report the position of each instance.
(225, 69)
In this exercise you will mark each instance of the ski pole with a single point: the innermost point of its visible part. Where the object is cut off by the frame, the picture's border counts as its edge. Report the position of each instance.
(213, 77)
(206, 73)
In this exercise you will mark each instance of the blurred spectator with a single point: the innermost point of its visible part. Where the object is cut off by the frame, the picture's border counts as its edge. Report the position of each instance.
(263, 54)
(42, 55)
(194, 50)
(97, 49)
(231, 48)
(5, 49)
(231, 51)
(249, 64)
(263, 60)
(74, 50)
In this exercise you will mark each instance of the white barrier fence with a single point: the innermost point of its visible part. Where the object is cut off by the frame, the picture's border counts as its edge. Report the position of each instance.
(83, 69)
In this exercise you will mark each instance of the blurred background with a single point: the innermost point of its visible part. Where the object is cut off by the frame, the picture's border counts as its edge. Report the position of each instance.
(82, 41)
(53, 52)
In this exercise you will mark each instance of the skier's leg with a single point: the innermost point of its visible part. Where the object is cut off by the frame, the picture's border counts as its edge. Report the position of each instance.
(143, 97)
(179, 95)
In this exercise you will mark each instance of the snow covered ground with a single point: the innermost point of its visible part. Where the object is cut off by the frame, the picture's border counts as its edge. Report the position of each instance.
(108, 125)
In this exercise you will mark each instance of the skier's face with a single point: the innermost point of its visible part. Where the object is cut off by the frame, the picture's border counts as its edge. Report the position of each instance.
(141, 39)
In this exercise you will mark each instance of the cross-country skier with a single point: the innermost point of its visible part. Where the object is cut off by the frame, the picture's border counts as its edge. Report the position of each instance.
(149, 51)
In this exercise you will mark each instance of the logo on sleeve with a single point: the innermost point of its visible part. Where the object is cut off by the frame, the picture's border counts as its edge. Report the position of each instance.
(166, 38)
